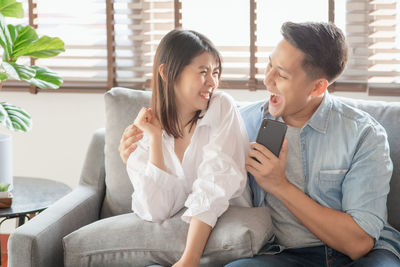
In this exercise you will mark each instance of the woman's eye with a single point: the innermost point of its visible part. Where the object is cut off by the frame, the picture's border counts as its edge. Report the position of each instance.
(283, 77)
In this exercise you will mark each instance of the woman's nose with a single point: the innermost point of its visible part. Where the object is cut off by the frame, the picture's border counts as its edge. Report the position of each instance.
(212, 81)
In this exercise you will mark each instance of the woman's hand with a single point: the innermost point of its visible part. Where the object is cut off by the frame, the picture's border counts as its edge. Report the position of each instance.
(147, 122)
(127, 145)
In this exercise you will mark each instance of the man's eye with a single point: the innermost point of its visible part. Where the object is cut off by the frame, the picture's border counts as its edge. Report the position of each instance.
(216, 73)
(203, 72)
(283, 77)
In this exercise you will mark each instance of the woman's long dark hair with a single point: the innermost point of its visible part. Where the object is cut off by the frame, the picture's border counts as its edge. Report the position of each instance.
(176, 50)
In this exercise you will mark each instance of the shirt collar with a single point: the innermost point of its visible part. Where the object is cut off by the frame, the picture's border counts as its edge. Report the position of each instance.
(319, 120)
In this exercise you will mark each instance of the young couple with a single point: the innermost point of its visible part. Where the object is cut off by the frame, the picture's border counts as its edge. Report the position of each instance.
(191, 149)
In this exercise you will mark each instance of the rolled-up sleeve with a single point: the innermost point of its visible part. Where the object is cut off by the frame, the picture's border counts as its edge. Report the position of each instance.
(157, 194)
(366, 185)
(221, 174)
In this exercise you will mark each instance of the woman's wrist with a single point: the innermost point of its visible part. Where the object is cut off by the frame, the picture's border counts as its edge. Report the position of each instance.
(190, 260)
(156, 154)
(155, 138)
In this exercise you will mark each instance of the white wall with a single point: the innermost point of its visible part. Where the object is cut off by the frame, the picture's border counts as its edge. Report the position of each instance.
(55, 148)
(63, 124)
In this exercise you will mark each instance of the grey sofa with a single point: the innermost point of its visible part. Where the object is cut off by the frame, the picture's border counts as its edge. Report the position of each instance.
(93, 225)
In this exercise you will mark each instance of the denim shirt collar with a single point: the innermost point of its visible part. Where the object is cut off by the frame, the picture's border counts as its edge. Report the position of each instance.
(319, 120)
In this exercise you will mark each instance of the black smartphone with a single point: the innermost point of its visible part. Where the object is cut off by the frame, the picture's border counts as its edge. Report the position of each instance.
(271, 135)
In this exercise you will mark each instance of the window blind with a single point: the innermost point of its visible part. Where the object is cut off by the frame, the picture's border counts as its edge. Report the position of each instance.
(140, 25)
(83, 30)
(112, 42)
(270, 17)
(384, 68)
(357, 31)
(228, 30)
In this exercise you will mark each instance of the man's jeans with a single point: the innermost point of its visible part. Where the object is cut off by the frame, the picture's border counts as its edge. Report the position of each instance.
(321, 256)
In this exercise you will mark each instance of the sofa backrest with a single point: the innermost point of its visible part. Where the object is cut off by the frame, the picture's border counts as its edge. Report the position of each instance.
(388, 115)
(122, 106)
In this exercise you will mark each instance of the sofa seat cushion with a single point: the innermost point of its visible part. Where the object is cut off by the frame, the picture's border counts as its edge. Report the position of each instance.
(126, 240)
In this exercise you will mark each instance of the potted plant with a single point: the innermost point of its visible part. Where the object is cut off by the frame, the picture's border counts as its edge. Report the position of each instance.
(22, 41)
(5, 196)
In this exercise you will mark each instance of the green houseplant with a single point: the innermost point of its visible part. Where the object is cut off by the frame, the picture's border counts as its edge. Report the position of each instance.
(4, 190)
(22, 41)
(5, 196)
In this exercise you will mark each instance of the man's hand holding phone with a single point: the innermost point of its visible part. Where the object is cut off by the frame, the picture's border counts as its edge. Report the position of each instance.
(267, 159)
(266, 168)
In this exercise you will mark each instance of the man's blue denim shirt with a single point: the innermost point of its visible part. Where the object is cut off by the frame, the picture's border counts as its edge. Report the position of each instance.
(346, 164)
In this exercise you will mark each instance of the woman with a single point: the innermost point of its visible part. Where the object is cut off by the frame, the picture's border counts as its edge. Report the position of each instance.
(194, 144)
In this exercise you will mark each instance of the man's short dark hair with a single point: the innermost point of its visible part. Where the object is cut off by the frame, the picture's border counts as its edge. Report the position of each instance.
(323, 44)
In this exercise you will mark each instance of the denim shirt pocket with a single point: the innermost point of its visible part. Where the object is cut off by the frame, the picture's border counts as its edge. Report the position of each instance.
(330, 187)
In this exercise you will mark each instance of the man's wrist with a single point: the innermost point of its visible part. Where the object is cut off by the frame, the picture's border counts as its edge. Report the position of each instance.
(281, 189)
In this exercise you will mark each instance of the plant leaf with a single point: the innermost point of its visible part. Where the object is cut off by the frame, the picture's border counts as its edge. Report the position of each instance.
(3, 76)
(5, 39)
(15, 113)
(45, 78)
(11, 8)
(15, 108)
(21, 36)
(2, 113)
(4, 118)
(18, 123)
(18, 72)
(43, 47)
(4, 188)
(14, 118)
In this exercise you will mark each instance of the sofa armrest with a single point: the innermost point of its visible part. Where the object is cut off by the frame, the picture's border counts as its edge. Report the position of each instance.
(39, 241)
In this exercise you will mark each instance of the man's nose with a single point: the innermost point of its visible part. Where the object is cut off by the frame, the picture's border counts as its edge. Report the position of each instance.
(269, 79)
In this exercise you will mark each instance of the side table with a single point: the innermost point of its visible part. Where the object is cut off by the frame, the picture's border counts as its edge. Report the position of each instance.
(32, 195)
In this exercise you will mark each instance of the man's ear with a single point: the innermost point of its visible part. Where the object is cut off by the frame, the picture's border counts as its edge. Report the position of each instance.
(320, 87)
(161, 71)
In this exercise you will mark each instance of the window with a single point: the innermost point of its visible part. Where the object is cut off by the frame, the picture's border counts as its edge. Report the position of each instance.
(229, 31)
(270, 17)
(112, 42)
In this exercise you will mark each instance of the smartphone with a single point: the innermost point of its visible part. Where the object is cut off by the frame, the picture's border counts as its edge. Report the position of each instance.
(271, 135)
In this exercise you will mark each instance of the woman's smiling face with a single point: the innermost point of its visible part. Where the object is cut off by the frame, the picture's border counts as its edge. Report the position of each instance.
(196, 83)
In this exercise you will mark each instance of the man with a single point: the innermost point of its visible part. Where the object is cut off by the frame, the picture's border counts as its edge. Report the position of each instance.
(327, 190)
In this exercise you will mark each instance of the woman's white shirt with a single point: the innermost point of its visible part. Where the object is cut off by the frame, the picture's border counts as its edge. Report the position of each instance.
(211, 174)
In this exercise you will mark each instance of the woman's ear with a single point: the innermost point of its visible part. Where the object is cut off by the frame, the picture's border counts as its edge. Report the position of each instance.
(161, 71)
(320, 87)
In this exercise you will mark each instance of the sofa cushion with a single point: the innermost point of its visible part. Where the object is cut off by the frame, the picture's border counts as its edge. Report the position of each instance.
(122, 106)
(126, 240)
(388, 115)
